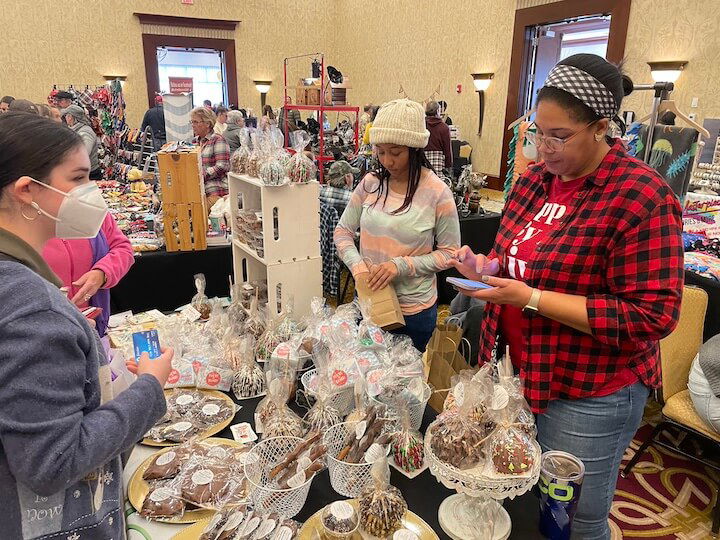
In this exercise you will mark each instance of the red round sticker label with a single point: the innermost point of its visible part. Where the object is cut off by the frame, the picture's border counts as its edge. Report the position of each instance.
(339, 378)
(213, 378)
(174, 376)
(364, 362)
(283, 351)
(374, 376)
(378, 337)
(196, 366)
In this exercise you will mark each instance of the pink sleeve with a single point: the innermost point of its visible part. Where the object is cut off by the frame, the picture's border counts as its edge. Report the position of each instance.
(120, 257)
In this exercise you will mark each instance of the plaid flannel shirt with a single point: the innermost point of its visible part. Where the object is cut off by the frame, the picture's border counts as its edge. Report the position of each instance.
(215, 154)
(337, 197)
(330, 262)
(620, 245)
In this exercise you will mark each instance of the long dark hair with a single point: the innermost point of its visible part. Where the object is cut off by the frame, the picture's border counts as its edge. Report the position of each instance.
(416, 161)
(31, 145)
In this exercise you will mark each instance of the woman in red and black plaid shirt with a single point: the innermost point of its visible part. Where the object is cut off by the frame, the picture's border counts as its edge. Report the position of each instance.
(586, 276)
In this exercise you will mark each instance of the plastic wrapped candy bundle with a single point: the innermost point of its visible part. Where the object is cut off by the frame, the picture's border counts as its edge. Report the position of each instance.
(200, 302)
(322, 415)
(255, 158)
(255, 322)
(249, 379)
(239, 158)
(457, 439)
(281, 421)
(361, 401)
(382, 506)
(370, 335)
(300, 169)
(280, 328)
(407, 446)
(312, 337)
(272, 173)
(481, 383)
(236, 313)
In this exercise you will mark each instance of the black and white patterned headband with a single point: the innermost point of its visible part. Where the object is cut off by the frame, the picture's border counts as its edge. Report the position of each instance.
(585, 87)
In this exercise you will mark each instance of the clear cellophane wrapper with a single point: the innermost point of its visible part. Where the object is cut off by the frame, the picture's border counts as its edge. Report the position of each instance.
(382, 506)
(300, 169)
(407, 446)
(239, 158)
(281, 421)
(201, 302)
(249, 379)
(322, 415)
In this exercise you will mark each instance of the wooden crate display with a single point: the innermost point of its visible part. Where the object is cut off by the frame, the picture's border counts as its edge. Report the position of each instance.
(290, 260)
(183, 194)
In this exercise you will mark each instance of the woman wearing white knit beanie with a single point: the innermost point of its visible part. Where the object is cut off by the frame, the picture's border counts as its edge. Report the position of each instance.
(408, 221)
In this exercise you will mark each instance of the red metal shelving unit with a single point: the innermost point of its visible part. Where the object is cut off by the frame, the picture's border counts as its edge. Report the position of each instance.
(322, 109)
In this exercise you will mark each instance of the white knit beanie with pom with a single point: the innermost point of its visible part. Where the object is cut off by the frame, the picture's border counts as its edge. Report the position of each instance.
(400, 122)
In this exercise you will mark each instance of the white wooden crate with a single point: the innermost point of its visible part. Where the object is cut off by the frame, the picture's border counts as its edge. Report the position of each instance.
(300, 281)
(291, 216)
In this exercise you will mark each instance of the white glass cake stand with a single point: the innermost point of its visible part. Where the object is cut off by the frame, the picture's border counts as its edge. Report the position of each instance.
(477, 495)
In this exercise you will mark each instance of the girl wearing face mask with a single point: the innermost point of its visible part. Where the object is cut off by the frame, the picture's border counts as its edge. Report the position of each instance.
(61, 431)
(586, 276)
(408, 221)
(90, 267)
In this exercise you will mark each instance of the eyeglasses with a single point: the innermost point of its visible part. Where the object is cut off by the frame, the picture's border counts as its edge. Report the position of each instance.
(552, 144)
(195, 122)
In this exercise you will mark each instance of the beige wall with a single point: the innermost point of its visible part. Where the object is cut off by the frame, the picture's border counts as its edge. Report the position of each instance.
(380, 45)
(87, 39)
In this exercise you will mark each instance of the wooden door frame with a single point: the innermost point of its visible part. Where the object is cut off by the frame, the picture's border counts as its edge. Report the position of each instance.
(152, 41)
(619, 10)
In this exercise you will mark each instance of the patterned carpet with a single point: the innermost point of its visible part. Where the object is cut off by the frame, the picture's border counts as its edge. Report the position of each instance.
(667, 496)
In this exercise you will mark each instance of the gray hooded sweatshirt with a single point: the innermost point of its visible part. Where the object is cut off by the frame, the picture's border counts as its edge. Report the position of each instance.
(60, 434)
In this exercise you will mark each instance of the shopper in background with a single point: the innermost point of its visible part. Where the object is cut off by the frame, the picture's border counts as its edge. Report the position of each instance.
(268, 118)
(43, 110)
(215, 154)
(62, 431)
(368, 127)
(55, 114)
(5, 103)
(586, 277)
(24, 106)
(364, 119)
(235, 123)
(408, 222)
(155, 118)
(89, 268)
(221, 122)
(704, 383)
(77, 120)
(438, 149)
(338, 190)
(443, 113)
(64, 99)
(293, 118)
(207, 104)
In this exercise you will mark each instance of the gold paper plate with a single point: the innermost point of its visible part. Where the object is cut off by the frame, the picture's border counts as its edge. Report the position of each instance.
(192, 532)
(139, 488)
(411, 521)
(209, 432)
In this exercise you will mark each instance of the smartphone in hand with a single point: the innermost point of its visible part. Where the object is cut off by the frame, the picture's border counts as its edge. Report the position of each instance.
(92, 312)
(467, 284)
(146, 341)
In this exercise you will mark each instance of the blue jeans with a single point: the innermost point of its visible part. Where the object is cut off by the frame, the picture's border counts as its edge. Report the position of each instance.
(419, 327)
(597, 430)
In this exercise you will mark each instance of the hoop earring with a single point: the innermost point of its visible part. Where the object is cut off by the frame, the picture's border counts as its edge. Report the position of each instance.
(22, 213)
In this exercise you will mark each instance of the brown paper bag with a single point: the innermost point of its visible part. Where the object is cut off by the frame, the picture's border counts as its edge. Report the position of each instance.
(445, 361)
(385, 309)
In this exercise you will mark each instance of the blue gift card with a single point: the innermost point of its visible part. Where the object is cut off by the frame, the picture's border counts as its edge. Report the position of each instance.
(146, 341)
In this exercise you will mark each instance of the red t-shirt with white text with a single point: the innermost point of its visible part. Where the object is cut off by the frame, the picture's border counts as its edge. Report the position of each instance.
(512, 323)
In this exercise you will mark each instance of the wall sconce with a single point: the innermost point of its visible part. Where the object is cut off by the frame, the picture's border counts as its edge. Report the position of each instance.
(121, 78)
(666, 71)
(263, 87)
(481, 82)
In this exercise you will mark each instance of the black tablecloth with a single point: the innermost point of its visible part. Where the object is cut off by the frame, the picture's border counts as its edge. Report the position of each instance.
(478, 232)
(712, 317)
(164, 281)
(423, 493)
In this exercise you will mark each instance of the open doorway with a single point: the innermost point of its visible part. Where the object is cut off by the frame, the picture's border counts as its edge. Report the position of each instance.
(520, 95)
(206, 68)
(209, 62)
(550, 43)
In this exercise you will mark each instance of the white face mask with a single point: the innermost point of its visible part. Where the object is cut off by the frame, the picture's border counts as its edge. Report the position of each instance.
(81, 213)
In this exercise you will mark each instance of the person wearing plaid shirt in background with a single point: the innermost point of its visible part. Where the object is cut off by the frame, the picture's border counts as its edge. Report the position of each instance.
(215, 154)
(586, 277)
